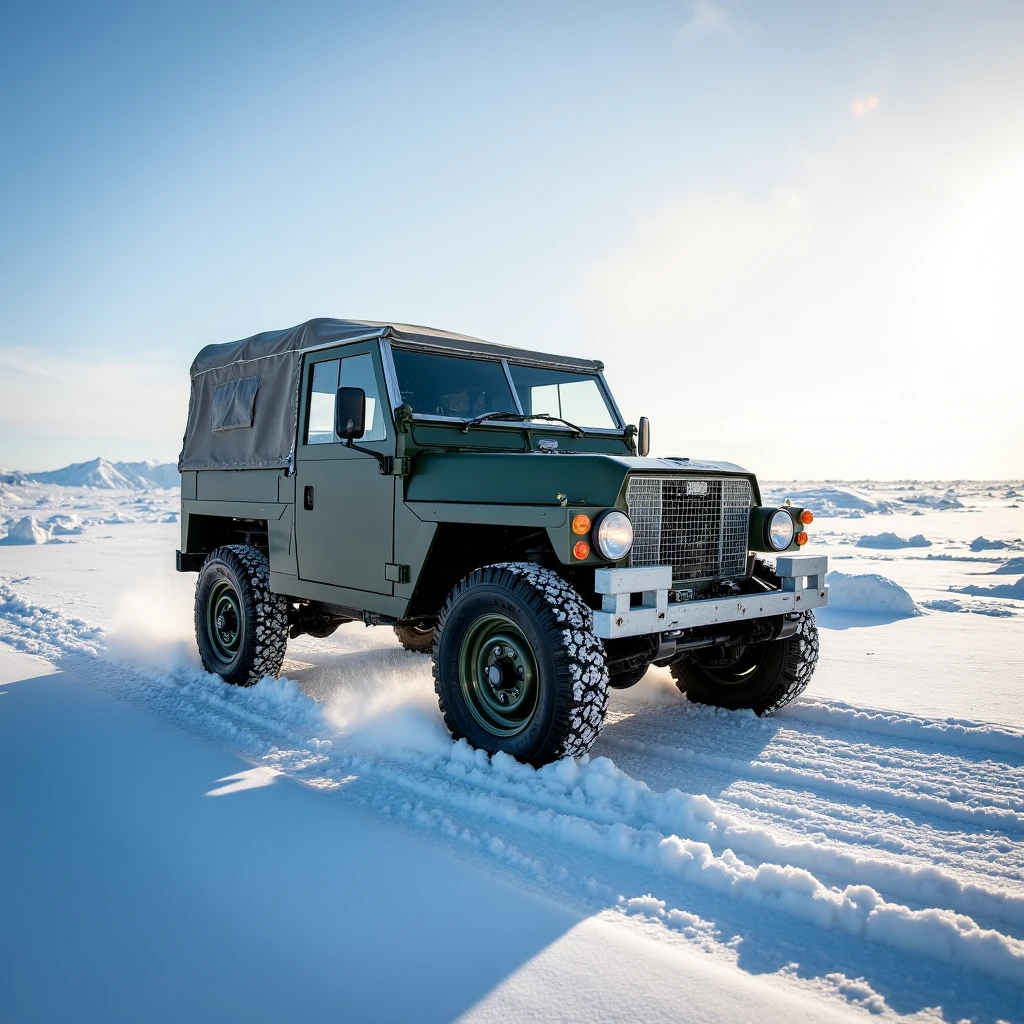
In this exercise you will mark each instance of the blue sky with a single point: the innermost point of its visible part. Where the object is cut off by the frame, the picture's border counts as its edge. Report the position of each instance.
(791, 231)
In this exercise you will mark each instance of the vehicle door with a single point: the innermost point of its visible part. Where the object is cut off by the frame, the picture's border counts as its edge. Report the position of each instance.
(344, 518)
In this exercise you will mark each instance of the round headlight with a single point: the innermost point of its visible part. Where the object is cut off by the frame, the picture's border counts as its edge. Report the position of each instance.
(780, 530)
(614, 535)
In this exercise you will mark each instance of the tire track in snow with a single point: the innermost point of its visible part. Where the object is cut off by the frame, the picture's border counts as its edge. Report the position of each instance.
(953, 732)
(1002, 818)
(590, 805)
(806, 816)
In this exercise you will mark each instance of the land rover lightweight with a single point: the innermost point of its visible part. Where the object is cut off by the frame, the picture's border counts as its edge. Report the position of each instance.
(492, 506)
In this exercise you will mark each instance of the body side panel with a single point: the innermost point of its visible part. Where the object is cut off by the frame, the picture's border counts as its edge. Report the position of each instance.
(237, 485)
(359, 600)
(235, 509)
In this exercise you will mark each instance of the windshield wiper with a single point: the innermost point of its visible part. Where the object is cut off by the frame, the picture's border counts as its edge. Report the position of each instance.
(476, 420)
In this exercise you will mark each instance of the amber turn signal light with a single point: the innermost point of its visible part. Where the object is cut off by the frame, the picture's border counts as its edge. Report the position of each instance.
(581, 549)
(807, 517)
(580, 524)
(801, 538)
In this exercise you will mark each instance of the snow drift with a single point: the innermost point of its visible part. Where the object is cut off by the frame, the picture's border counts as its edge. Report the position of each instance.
(868, 594)
(1015, 591)
(890, 541)
(1010, 567)
(830, 501)
(984, 544)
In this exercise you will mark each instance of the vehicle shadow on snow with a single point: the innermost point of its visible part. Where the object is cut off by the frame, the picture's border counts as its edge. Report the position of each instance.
(835, 618)
(353, 918)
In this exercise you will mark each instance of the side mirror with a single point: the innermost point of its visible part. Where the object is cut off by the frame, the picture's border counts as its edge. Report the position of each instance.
(643, 441)
(350, 413)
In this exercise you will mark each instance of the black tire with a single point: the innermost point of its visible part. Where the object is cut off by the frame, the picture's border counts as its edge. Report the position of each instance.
(766, 677)
(565, 693)
(416, 638)
(241, 627)
(624, 680)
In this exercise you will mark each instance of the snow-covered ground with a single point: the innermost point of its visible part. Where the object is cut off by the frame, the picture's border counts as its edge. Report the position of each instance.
(175, 848)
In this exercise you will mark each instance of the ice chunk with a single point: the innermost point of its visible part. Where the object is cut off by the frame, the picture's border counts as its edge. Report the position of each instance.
(25, 531)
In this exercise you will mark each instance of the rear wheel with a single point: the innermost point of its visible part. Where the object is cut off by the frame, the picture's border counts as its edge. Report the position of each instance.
(624, 680)
(416, 638)
(241, 627)
(517, 667)
(762, 676)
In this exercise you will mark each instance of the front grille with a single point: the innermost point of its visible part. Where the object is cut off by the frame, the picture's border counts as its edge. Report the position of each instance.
(698, 525)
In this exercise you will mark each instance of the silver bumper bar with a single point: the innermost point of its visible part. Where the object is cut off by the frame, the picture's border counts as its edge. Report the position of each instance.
(803, 587)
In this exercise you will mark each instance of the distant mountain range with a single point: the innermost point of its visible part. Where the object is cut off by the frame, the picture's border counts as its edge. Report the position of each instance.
(100, 473)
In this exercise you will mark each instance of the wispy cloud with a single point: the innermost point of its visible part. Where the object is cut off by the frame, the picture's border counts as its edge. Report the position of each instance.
(707, 18)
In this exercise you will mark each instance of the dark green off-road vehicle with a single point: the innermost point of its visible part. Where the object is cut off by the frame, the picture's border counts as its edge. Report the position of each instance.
(491, 505)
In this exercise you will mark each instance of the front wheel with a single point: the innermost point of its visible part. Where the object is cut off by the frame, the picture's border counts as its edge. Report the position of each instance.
(762, 676)
(517, 667)
(241, 627)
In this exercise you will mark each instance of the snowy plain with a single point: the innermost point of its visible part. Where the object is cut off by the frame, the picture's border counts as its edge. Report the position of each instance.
(318, 847)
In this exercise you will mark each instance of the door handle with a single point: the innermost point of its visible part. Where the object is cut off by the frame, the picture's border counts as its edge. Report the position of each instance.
(307, 499)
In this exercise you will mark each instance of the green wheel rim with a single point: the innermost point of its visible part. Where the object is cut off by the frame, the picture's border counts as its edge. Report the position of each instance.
(498, 675)
(225, 623)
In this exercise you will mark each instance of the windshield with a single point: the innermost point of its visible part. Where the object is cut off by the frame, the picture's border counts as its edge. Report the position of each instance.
(576, 397)
(442, 385)
(438, 385)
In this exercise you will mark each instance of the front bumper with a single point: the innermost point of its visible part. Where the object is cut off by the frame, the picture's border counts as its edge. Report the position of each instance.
(803, 587)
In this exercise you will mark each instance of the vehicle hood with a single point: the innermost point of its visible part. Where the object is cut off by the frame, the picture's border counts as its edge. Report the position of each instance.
(535, 478)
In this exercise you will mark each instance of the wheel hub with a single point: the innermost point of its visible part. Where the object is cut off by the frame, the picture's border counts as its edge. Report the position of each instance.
(224, 621)
(498, 673)
(504, 675)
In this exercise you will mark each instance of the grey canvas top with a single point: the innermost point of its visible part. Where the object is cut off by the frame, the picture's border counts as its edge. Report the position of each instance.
(244, 406)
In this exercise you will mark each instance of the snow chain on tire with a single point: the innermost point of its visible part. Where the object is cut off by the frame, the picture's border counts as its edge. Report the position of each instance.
(266, 615)
(578, 657)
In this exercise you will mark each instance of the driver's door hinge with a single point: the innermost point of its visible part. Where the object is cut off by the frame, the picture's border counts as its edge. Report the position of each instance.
(396, 573)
